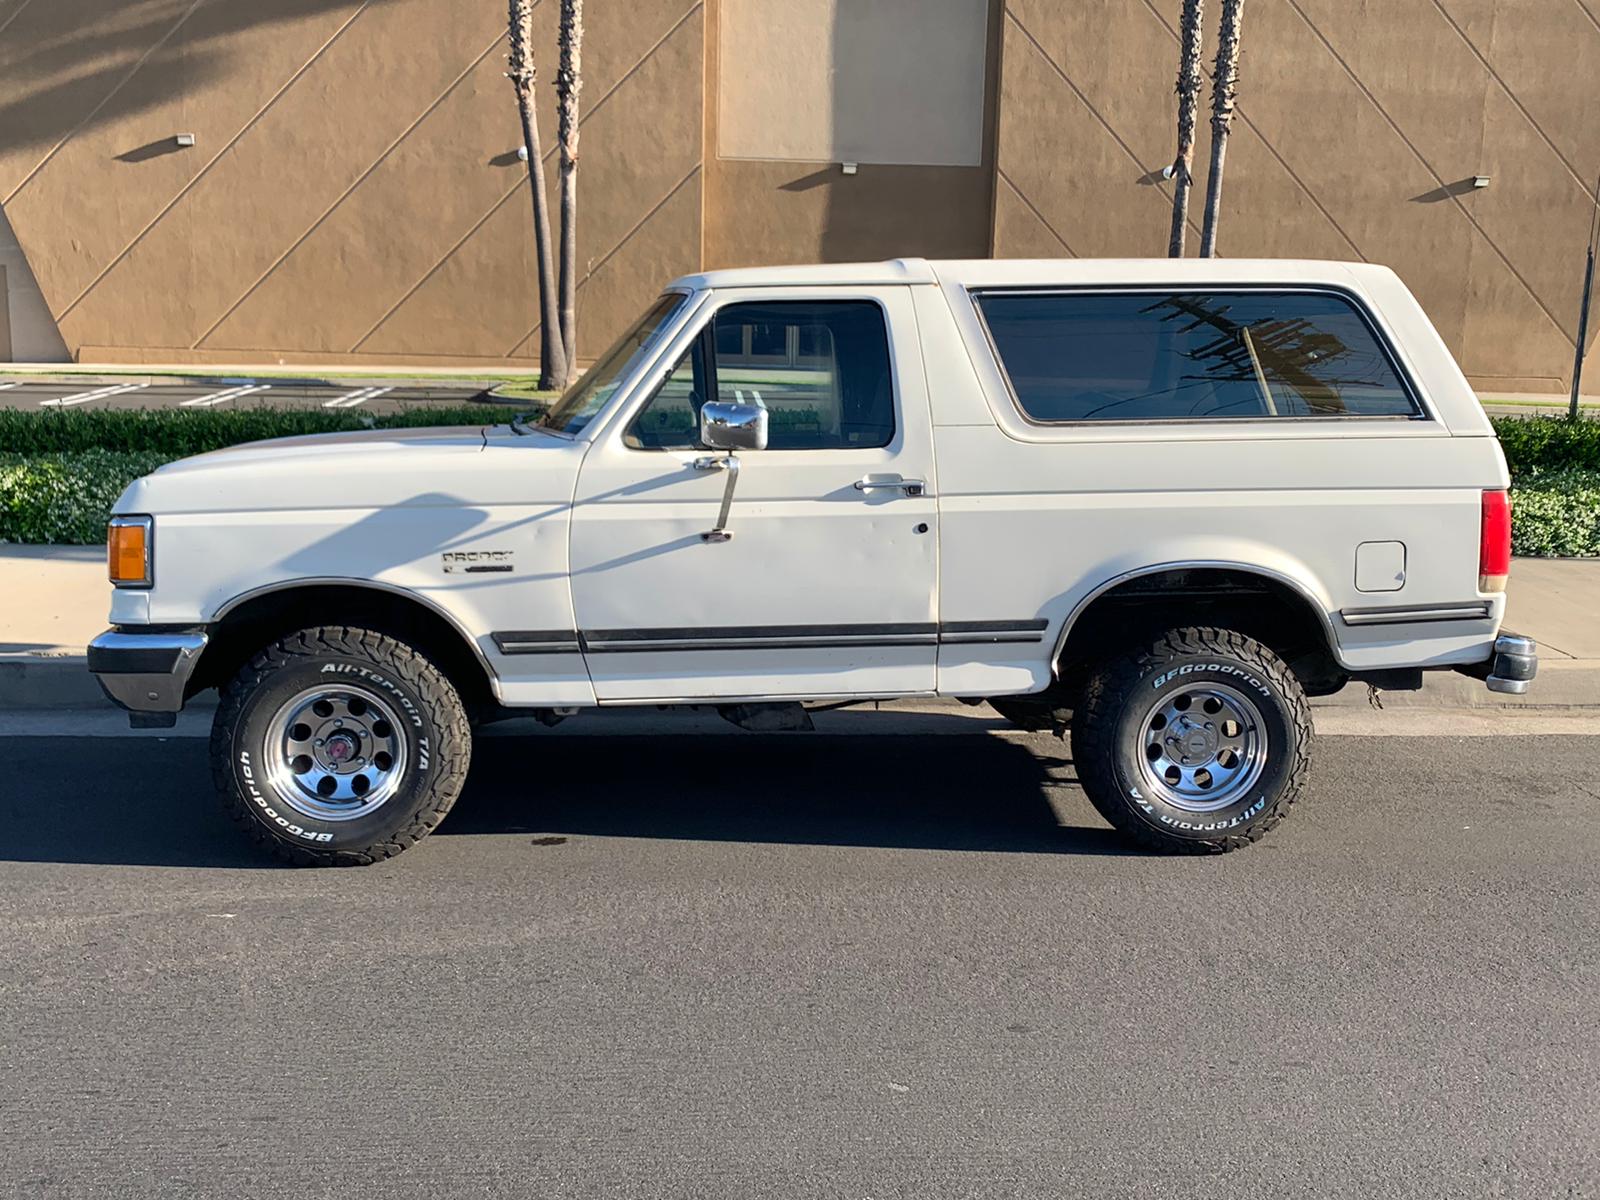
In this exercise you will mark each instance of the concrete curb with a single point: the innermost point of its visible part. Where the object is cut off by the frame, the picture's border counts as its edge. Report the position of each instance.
(62, 681)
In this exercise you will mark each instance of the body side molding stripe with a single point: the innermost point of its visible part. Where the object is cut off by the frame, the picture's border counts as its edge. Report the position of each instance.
(537, 641)
(1478, 611)
(768, 637)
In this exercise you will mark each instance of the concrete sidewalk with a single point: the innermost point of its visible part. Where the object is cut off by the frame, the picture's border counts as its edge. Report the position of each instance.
(56, 597)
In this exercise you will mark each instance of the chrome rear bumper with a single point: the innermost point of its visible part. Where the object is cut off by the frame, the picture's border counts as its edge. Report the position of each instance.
(146, 672)
(1515, 663)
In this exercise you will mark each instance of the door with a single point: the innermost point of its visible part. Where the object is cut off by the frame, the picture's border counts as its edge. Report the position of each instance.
(825, 584)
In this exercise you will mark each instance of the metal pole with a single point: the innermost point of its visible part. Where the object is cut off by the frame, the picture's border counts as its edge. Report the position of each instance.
(1583, 306)
(1583, 331)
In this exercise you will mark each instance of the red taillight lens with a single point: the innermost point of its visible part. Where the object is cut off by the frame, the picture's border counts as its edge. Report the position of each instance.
(1494, 542)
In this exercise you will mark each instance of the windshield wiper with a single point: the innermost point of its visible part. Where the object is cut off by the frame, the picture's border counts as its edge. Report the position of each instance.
(519, 424)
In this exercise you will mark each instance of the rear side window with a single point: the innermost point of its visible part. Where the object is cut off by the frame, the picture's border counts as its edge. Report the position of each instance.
(1192, 356)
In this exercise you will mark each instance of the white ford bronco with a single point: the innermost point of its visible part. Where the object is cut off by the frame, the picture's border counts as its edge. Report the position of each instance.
(1158, 503)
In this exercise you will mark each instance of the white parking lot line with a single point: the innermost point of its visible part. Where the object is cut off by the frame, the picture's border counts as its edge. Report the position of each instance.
(225, 395)
(359, 396)
(97, 394)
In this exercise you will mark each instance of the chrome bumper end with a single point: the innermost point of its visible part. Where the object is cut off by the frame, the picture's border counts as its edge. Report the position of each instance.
(146, 672)
(1515, 663)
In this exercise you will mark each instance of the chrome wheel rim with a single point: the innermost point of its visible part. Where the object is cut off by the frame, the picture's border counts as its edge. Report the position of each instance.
(1202, 747)
(335, 754)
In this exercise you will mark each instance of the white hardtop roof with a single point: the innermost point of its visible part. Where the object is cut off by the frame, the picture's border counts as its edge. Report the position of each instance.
(1024, 272)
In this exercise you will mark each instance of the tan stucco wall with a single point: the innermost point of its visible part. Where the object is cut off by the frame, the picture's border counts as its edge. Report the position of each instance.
(354, 192)
(354, 196)
(30, 333)
(766, 212)
(894, 81)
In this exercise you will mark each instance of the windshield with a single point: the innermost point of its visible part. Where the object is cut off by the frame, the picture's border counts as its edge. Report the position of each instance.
(588, 395)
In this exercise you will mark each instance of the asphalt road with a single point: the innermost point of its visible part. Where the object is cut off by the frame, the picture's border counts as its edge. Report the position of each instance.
(814, 965)
(226, 393)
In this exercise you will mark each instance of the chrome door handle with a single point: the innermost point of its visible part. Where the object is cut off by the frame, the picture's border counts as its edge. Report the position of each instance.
(730, 464)
(876, 483)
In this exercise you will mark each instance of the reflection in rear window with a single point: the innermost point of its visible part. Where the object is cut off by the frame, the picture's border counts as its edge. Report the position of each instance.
(1191, 356)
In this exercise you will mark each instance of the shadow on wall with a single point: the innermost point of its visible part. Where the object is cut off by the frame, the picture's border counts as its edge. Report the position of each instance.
(1459, 188)
(61, 61)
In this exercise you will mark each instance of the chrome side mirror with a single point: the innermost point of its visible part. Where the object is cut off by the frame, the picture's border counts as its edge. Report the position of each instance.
(729, 426)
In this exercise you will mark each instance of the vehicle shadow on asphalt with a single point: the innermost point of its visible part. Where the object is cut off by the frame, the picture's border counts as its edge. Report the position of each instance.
(949, 792)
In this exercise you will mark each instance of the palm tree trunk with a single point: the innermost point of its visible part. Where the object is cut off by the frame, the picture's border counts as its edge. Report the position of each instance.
(1189, 39)
(1224, 84)
(552, 360)
(569, 82)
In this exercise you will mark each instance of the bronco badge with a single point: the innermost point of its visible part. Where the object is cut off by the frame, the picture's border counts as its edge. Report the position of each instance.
(475, 562)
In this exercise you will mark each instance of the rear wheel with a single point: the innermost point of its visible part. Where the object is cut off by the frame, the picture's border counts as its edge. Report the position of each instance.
(1198, 743)
(338, 746)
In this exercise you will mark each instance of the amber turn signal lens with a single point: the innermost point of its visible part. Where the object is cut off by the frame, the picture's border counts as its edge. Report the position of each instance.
(128, 550)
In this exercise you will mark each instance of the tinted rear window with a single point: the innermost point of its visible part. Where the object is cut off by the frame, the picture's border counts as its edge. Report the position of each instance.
(1191, 356)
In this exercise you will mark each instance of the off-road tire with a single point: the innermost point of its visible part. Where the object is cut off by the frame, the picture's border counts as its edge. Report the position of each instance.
(437, 734)
(1107, 739)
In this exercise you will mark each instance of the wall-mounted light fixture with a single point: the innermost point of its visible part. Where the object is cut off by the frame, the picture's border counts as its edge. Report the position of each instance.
(848, 168)
(522, 154)
(1480, 181)
(183, 139)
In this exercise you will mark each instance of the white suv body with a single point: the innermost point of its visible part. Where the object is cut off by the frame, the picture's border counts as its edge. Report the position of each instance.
(964, 460)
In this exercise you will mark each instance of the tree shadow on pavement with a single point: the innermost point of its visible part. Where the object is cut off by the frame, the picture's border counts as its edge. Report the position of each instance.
(149, 802)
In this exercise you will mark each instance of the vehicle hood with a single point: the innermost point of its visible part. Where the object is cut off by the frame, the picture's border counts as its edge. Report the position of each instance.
(467, 465)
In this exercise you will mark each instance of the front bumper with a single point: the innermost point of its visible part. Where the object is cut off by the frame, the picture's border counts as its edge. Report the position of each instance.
(146, 672)
(1510, 668)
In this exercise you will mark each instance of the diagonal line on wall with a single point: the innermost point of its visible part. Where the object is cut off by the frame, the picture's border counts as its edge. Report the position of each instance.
(444, 258)
(1093, 111)
(212, 161)
(17, 13)
(102, 102)
(1428, 167)
(588, 112)
(1584, 9)
(1512, 96)
(345, 195)
(1305, 189)
(612, 253)
(1033, 208)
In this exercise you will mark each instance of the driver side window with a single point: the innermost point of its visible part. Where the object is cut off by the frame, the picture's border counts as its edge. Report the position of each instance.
(820, 368)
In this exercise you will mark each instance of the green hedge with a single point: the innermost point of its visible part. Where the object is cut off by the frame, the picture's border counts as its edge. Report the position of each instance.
(1549, 443)
(1556, 514)
(182, 432)
(60, 472)
(66, 497)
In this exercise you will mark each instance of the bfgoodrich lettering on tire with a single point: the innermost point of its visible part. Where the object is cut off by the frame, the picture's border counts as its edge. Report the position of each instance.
(337, 746)
(1198, 743)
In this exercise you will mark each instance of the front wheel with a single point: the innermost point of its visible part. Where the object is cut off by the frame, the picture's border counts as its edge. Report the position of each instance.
(338, 747)
(1199, 742)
